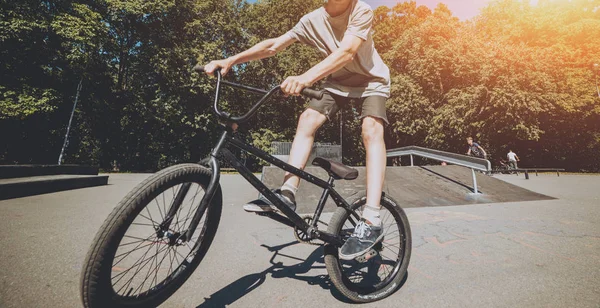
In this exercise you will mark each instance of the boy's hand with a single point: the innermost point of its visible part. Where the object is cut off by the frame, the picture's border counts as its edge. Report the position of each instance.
(293, 85)
(225, 65)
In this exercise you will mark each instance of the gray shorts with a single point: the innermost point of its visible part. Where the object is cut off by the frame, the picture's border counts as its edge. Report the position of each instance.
(330, 104)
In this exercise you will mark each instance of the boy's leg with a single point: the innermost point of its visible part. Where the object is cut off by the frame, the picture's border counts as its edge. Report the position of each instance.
(372, 134)
(369, 230)
(309, 122)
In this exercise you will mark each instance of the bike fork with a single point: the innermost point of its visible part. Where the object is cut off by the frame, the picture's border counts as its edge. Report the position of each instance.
(164, 226)
(210, 190)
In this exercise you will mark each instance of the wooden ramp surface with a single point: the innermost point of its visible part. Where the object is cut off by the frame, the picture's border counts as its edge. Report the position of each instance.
(413, 187)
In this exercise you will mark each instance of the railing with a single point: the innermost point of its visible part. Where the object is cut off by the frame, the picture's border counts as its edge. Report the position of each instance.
(536, 170)
(451, 158)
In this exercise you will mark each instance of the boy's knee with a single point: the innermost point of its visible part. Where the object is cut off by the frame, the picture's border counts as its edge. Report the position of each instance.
(310, 120)
(372, 129)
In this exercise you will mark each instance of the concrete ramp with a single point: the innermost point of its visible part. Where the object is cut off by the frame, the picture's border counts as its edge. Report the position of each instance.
(412, 187)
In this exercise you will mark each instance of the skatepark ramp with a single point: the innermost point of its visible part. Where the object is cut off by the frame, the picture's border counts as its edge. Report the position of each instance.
(473, 163)
(413, 187)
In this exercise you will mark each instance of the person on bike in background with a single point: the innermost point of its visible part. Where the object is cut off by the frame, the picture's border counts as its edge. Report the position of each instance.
(475, 149)
(341, 30)
(512, 159)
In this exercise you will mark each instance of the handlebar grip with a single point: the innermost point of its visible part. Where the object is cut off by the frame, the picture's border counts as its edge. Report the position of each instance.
(199, 68)
(312, 93)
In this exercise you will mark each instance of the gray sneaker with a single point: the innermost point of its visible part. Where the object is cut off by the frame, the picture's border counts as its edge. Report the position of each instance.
(365, 236)
(262, 204)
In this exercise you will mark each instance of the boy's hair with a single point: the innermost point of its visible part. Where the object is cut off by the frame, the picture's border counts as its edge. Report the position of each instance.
(469, 138)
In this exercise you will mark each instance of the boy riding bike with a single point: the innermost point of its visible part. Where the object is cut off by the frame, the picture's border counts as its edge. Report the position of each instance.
(341, 31)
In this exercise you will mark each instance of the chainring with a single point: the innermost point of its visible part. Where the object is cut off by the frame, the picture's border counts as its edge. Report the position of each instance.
(304, 237)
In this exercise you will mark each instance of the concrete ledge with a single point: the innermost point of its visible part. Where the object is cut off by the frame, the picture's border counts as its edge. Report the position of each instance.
(29, 186)
(18, 171)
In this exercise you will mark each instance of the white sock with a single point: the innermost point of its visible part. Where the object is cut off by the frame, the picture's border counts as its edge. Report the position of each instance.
(371, 214)
(289, 187)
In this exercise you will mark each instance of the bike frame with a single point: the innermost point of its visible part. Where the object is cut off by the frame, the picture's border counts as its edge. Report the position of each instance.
(290, 217)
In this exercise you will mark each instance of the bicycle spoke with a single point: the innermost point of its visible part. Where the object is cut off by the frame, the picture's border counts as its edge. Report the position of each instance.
(162, 217)
(391, 245)
(137, 238)
(164, 204)
(147, 210)
(171, 258)
(386, 218)
(187, 217)
(181, 254)
(391, 238)
(139, 261)
(142, 224)
(138, 241)
(158, 268)
(140, 268)
(131, 251)
(389, 249)
(135, 248)
(178, 208)
(147, 273)
(153, 222)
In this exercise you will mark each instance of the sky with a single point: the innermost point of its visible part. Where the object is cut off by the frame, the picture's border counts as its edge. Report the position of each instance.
(463, 9)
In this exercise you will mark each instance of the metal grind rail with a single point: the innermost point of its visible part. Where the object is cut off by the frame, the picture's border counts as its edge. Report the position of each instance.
(536, 170)
(470, 162)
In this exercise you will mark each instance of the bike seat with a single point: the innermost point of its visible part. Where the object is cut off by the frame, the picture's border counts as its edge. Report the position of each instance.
(337, 170)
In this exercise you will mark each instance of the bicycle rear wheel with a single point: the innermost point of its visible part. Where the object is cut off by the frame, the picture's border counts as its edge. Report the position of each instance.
(132, 261)
(382, 274)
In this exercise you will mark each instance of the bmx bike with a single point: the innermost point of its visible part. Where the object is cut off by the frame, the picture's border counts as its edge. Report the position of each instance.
(159, 233)
(505, 167)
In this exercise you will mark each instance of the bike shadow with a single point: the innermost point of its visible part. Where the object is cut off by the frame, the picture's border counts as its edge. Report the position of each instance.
(244, 285)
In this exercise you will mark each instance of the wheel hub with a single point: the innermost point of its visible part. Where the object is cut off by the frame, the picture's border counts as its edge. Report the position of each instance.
(174, 238)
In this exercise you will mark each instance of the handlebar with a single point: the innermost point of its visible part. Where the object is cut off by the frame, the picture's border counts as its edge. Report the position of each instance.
(308, 92)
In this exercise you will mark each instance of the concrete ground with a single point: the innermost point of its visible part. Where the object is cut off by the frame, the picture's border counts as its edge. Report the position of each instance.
(518, 254)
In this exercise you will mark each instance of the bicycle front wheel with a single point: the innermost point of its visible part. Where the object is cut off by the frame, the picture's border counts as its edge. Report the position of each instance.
(133, 261)
(383, 273)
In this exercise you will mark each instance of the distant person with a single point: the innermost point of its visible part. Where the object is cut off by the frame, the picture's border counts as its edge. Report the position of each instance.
(512, 159)
(475, 149)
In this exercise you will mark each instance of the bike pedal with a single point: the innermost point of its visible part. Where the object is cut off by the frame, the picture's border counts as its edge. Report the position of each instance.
(364, 258)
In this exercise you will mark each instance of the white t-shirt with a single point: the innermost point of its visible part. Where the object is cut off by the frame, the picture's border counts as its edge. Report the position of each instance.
(366, 75)
(511, 156)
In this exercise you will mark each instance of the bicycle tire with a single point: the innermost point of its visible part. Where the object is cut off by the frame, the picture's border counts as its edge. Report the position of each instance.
(335, 269)
(96, 280)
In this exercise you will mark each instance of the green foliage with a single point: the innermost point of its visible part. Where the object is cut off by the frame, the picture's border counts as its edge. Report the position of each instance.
(517, 76)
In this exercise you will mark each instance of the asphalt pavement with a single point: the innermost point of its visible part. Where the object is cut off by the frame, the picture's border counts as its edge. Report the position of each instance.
(518, 254)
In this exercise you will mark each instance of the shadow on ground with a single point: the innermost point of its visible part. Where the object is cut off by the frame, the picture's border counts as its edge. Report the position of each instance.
(239, 288)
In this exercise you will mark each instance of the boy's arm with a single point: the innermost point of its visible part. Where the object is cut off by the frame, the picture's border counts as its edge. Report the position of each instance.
(264, 49)
(482, 150)
(293, 85)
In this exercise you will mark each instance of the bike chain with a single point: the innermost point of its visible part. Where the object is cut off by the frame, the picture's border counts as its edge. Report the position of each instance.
(302, 237)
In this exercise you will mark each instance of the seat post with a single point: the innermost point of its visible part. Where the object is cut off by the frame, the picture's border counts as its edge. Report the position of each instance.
(322, 202)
